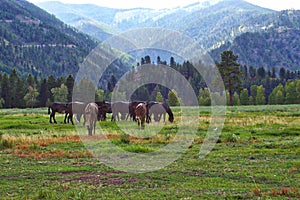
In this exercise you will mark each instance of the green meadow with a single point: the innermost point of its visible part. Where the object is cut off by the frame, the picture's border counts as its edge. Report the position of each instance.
(257, 156)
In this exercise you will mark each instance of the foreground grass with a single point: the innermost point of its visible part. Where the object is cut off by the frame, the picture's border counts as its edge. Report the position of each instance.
(256, 156)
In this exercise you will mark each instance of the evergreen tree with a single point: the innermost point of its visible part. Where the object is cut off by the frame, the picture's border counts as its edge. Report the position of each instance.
(51, 84)
(253, 93)
(172, 98)
(230, 71)
(70, 85)
(13, 78)
(4, 91)
(159, 97)
(43, 94)
(20, 93)
(260, 97)
(282, 74)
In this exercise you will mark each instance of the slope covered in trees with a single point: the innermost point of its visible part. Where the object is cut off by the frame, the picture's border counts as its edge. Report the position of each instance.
(35, 42)
(277, 47)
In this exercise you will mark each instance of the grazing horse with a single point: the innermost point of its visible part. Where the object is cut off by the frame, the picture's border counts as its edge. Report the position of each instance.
(90, 116)
(140, 114)
(56, 107)
(158, 110)
(104, 107)
(74, 108)
(121, 107)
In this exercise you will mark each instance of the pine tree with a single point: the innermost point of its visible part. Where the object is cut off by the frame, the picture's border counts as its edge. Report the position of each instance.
(4, 91)
(43, 94)
(70, 85)
(260, 97)
(230, 71)
(172, 98)
(159, 97)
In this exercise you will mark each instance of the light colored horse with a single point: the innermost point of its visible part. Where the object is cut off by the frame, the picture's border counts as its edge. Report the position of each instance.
(90, 116)
(121, 107)
(158, 110)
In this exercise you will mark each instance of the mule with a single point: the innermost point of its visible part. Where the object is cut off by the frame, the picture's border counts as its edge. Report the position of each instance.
(90, 116)
(140, 114)
(58, 107)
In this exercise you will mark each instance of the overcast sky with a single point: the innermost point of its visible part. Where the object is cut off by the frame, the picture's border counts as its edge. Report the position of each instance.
(156, 4)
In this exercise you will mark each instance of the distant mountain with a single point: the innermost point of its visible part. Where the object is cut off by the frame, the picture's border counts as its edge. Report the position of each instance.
(35, 42)
(211, 23)
(260, 36)
(277, 46)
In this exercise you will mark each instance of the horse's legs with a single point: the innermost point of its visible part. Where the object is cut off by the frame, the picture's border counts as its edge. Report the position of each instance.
(143, 122)
(70, 118)
(50, 119)
(65, 120)
(164, 117)
(53, 116)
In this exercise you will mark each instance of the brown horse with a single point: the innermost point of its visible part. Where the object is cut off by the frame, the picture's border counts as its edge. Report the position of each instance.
(56, 107)
(76, 108)
(104, 107)
(90, 116)
(140, 114)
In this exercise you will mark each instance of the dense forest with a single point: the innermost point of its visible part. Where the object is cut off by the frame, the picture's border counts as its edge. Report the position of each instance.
(251, 86)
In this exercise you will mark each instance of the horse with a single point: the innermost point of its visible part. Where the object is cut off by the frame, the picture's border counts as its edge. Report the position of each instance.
(56, 107)
(104, 107)
(90, 116)
(74, 108)
(132, 106)
(158, 110)
(140, 114)
(121, 107)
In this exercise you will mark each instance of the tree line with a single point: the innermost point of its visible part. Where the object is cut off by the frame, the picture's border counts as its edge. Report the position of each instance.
(244, 86)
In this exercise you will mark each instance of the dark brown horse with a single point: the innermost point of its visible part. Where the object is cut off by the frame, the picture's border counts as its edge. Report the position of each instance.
(56, 107)
(90, 116)
(104, 107)
(158, 110)
(76, 108)
(140, 114)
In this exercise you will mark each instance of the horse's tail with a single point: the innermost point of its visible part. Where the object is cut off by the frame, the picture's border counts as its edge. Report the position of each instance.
(49, 110)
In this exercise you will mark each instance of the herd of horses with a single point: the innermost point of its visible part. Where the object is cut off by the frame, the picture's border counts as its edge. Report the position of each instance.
(138, 111)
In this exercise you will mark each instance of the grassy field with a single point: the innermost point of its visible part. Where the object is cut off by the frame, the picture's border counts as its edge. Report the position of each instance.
(257, 156)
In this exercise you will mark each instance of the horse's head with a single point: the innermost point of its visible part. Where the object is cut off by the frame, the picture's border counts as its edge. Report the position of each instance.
(171, 117)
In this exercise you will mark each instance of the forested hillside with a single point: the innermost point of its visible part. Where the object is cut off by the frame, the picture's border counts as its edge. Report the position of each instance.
(35, 42)
(278, 46)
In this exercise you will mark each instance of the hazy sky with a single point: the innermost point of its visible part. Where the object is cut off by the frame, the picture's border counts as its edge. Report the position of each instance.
(273, 4)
